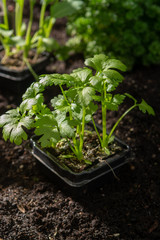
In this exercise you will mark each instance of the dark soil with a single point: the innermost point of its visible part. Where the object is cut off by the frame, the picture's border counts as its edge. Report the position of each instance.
(34, 207)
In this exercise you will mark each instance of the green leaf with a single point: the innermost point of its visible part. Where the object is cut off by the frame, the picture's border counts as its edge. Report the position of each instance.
(98, 62)
(13, 123)
(113, 75)
(115, 64)
(111, 139)
(91, 109)
(64, 9)
(17, 40)
(6, 33)
(112, 103)
(46, 80)
(56, 79)
(118, 99)
(3, 26)
(82, 74)
(97, 98)
(60, 103)
(96, 82)
(33, 90)
(87, 161)
(71, 93)
(112, 79)
(144, 107)
(46, 126)
(20, 2)
(50, 43)
(23, 28)
(86, 95)
(76, 112)
(66, 129)
(106, 150)
(28, 104)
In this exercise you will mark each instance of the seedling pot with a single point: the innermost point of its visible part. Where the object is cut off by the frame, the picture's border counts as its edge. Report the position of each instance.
(89, 176)
(18, 76)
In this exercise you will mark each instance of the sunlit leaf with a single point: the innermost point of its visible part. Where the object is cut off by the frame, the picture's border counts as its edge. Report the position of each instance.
(144, 107)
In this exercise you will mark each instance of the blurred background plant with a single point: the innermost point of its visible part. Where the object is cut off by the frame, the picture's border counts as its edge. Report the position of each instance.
(19, 38)
(128, 30)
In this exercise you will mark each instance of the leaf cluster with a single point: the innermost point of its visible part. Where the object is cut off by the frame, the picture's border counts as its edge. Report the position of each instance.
(128, 30)
(73, 108)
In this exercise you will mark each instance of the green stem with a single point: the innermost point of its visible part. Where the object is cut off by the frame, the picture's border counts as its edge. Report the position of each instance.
(31, 69)
(123, 115)
(27, 45)
(41, 22)
(18, 17)
(73, 150)
(5, 14)
(76, 151)
(64, 95)
(42, 14)
(104, 128)
(104, 116)
(5, 19)
(50, 26)
(82, 131)
(100, 140)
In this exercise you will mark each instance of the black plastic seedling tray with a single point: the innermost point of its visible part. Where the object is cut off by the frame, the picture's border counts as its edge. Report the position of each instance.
(87, 176)
(18, 76)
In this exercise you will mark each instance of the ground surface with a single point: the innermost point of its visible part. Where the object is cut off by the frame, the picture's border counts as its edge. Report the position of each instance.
(34, 207)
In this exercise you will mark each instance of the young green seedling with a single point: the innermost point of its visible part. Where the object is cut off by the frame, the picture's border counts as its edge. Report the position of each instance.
(105, 81)
(73, 109)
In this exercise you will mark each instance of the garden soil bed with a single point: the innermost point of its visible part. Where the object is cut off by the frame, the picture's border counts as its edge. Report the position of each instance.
(34, 207)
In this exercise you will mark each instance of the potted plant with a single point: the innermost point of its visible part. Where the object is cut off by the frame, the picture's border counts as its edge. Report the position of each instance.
(67, 140)
(23, 53)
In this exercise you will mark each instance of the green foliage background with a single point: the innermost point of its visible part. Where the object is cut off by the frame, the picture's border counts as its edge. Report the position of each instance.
(128, 30)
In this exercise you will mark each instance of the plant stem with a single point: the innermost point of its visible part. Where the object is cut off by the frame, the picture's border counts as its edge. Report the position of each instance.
(82, 131)
(75, 142)
(123, 115)
(5, 19)
(31, 69)
(18, 17)
(104, 115)
(6, 48)
(71, 147)
(99, 137)
(27, 45)
(41, 22)
(64, 95)
(50, 26)
(5, 14)
(43, 9)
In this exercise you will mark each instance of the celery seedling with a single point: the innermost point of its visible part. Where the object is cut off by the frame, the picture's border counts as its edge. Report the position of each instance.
(106, 80)
(73, 109)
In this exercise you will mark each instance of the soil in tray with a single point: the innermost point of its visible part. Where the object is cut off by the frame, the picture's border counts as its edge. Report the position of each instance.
(92, 153)
(15, 61)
